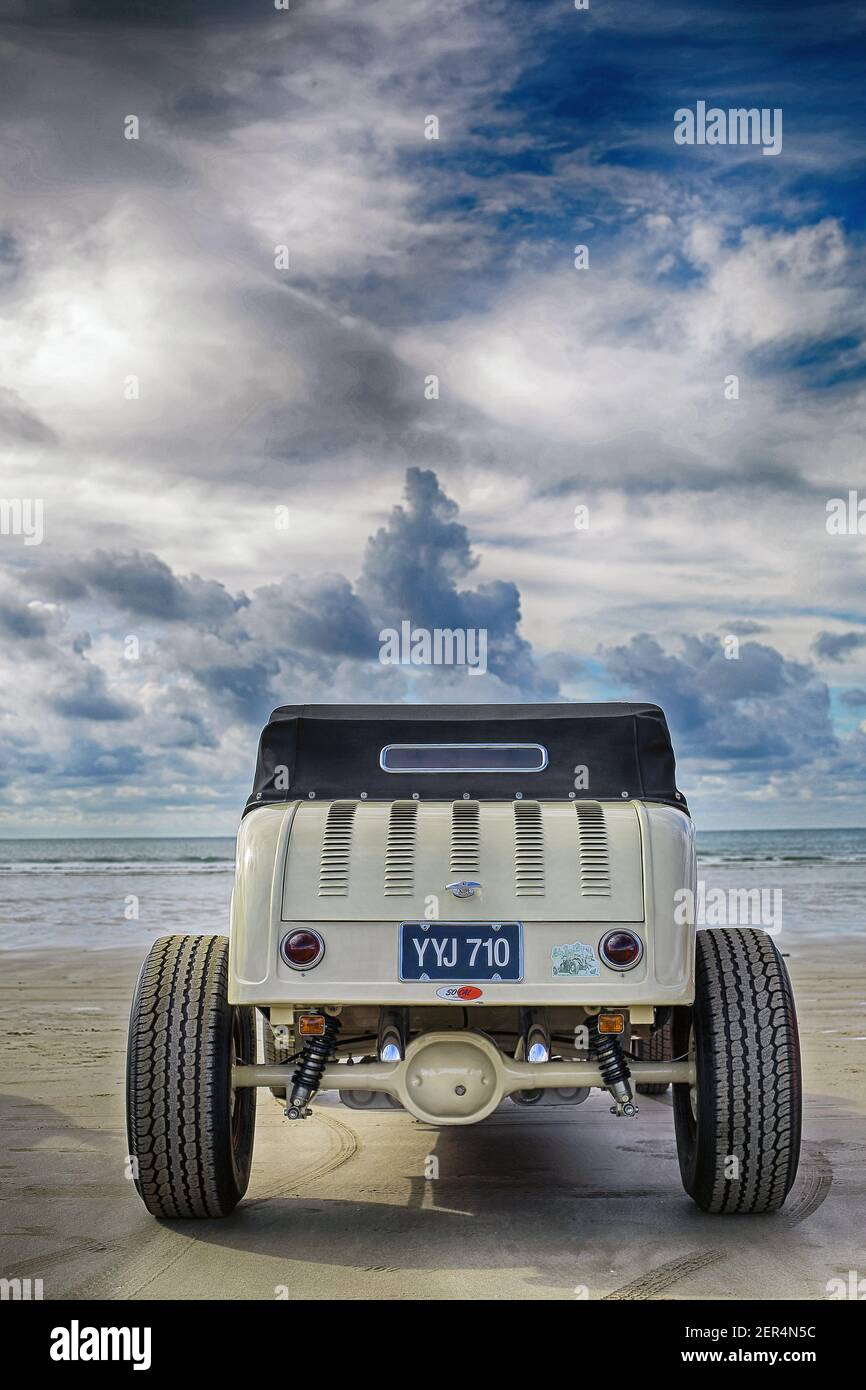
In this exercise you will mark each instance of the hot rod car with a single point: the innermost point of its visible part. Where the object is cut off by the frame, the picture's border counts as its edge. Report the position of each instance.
(445, 909)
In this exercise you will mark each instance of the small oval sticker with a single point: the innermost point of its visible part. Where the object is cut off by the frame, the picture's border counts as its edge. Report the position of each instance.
(459, 994)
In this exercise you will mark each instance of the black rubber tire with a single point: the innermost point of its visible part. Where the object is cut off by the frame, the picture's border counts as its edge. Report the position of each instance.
(275, 1051)
(190, 1140)
(749, 1090)
(659, 1047)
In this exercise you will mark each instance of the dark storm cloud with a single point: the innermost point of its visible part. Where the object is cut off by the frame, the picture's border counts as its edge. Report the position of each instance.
(412, 564)
(88, 761)
(85, 696)
(143, 585)
(758, 709)
(304, 637)
(300, 630)
(836, 646)
(207, 110)
(20, 620)
(319, 615)
(412, 571)
(135, 13)
(220, 662)
(357, 394)
(235, 679)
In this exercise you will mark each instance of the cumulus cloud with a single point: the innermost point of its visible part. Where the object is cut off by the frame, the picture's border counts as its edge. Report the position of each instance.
(22, 621)
(170, 379)
(836, 646)
(209, 665)
(758, 709)
(201, 667)
(84, 696)
(413, 569)
(142, 585)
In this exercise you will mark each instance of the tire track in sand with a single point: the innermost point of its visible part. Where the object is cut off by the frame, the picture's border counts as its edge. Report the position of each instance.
(811, 1188)
(347, 1146)
(657, 1280)
(165, 1246)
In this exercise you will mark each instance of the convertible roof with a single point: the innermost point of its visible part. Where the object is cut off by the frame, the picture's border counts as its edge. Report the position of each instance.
(333, 751)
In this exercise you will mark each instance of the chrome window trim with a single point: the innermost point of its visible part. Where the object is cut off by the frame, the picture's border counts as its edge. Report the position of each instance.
(404, 771)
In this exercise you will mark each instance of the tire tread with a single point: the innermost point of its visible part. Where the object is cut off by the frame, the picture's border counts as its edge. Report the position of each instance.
(745, 1004)
(176, 1079)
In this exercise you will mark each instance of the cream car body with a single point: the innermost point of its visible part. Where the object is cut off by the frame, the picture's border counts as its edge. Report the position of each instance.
(441, 910)
(602, 865)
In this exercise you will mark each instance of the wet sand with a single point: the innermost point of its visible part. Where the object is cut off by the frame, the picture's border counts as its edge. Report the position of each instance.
(556, 1204)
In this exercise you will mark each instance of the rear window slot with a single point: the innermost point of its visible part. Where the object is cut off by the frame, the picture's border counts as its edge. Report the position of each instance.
(463, 757)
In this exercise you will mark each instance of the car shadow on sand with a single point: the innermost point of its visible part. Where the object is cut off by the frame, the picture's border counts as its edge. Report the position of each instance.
(514, 1202)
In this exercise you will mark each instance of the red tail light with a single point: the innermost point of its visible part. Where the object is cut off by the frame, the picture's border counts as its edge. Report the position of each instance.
(302, 949)
(621, 950)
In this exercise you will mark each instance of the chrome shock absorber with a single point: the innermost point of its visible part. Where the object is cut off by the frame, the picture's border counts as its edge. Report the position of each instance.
(615, 1073)
(307, 1076)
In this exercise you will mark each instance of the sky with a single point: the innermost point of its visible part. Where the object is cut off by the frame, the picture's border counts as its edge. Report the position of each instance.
(218, 340)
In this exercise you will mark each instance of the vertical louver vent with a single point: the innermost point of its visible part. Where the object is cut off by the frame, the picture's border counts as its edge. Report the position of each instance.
(400, 849)
(594, 859)
(336, 848)
(465, 837)
(528, 849)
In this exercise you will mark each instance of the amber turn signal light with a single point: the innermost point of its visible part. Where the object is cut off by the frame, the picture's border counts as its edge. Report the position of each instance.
(311, 1025)
(611, 1023)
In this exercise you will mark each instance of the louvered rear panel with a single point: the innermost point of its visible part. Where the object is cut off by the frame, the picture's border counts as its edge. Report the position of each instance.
(528, 849)
(400, 849)
(593, 847)
(465, 838)
(548, 861)
(336, 850)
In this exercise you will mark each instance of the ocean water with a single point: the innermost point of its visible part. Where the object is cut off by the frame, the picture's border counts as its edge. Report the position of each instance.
(112, 892)
(812, 882)
(105, 893)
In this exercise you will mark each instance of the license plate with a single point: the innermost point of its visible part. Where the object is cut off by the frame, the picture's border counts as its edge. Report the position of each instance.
(461, 951)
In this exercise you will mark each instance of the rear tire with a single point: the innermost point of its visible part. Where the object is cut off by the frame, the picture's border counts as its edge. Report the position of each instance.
(659, 1047)
(190, 1136)
(738, 1129)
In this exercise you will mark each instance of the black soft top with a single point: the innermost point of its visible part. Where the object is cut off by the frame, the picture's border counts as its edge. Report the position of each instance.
(334, 751)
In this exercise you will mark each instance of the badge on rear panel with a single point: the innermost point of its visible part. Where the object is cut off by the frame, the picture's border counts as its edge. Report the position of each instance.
(459, 994)
(573, 959)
